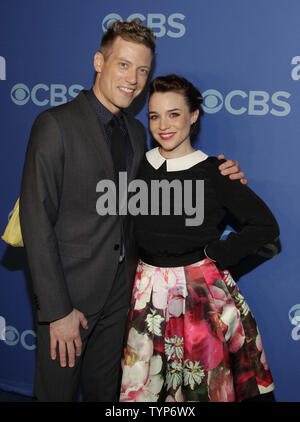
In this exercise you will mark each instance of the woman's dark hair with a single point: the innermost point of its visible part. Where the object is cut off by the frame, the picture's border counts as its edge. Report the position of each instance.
(181, 85)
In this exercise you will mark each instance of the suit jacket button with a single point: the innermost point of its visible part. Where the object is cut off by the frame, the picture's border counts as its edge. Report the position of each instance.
(116, 247)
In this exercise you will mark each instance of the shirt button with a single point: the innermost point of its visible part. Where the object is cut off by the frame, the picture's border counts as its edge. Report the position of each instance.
(116, 247)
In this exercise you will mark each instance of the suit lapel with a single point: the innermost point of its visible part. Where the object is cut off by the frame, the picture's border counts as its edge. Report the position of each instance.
(95, 134)
(93, 131)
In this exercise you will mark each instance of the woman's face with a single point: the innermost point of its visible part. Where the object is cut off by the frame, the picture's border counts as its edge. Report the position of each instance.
(170, 122)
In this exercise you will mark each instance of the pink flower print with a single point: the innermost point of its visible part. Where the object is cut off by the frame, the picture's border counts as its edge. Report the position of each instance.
(142, 291)
(169, 291)
(235, 335)
(201, 344)
(142, 380)
(220, 385)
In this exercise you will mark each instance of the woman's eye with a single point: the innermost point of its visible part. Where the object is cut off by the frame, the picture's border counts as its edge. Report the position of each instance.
(152, 117)
(172, 115)
(124, 65)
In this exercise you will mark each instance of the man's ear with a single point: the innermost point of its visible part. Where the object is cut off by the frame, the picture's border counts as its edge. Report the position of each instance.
(98, 61)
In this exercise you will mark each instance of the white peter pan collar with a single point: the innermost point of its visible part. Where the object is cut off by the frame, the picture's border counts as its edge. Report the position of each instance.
(175, 164)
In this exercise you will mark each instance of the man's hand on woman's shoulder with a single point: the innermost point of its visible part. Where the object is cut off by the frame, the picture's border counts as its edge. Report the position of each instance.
(232, 169)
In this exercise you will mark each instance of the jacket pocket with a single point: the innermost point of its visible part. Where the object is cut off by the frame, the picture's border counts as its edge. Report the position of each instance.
(75, 250)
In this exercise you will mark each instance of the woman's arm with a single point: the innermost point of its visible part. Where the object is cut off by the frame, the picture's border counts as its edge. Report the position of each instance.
(258, 223)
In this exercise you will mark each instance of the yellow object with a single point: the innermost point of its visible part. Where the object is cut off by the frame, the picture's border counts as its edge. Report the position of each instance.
(12, 234)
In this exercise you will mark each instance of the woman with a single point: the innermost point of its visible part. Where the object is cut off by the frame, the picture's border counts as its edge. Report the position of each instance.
(191, 335)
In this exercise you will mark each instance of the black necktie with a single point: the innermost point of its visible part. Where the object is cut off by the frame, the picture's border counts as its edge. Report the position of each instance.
(119, 155)
(118, 146)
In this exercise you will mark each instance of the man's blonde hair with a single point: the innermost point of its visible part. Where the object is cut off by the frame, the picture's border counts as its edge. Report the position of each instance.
(132, 31)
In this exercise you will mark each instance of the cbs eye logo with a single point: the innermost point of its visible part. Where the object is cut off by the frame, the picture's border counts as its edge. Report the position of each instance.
(212, 101)
(161, 24)
(110, 19)
(11, 337)
(20, 94)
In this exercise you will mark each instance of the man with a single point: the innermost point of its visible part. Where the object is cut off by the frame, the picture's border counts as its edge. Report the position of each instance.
(76, 257)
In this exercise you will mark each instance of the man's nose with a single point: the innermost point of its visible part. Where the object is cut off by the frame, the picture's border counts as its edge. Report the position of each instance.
(131, 76)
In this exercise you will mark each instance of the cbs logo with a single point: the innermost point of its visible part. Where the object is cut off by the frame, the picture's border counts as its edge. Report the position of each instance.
(42, 95)
(255, 103)
(158, 22)
(11, 337)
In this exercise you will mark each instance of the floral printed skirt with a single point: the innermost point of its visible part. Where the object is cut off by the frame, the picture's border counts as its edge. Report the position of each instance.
(191, 337)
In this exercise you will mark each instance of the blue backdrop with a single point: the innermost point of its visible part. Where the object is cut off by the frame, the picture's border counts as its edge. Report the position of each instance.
(245, 59)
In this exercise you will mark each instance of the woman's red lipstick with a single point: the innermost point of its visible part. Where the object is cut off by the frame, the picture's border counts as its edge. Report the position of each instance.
(166, 135)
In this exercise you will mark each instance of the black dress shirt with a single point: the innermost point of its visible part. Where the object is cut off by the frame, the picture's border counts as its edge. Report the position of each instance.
(106, 121)
(106, 118)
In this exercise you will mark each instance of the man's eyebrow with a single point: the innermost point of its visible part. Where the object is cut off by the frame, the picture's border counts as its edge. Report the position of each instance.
(128, 61)
(124, 59)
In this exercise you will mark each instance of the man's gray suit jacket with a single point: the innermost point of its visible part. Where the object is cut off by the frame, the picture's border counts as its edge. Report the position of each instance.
(73, 252)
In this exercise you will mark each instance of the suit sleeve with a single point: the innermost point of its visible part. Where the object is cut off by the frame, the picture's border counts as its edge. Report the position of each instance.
(39, 206)
(258, 223)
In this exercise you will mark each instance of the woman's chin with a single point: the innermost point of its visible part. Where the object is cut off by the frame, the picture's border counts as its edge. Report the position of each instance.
(167, 148)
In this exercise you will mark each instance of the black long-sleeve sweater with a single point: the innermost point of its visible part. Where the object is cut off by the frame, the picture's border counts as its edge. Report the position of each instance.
(167, 241)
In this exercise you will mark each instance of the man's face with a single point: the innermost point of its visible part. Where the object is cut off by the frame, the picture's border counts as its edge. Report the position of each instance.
(122, 75)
